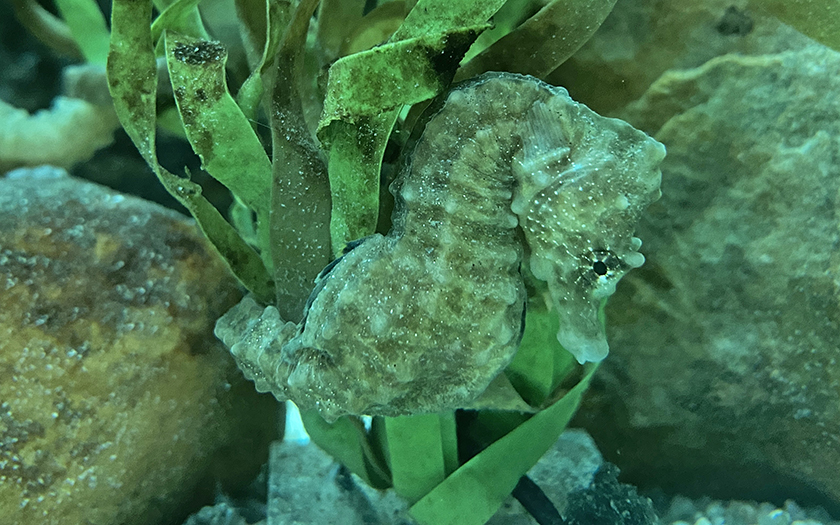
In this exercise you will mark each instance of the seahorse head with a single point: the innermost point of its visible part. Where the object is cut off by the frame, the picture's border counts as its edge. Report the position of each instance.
(581, 189)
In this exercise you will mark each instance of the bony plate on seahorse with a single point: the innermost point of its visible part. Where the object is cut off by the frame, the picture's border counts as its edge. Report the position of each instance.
(423, 318)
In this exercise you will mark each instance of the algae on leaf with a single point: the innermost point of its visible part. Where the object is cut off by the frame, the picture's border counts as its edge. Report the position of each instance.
(300, 193)
(366, 91)
(132, 78)
(364, 94)
(542, 42)
(217, 129)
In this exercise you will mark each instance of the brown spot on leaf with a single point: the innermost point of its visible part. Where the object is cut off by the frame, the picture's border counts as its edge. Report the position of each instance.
(199, 53)
(445, 59)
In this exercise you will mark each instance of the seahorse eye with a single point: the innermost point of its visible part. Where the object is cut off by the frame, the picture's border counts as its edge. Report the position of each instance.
(600, 267)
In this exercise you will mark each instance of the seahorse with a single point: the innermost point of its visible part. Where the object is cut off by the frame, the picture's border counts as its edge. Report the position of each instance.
(508, 171)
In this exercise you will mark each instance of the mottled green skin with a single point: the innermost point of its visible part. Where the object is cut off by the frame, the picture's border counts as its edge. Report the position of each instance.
(421, 320)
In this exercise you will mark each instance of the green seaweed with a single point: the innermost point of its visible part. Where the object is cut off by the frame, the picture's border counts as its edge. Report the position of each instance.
(46, 27)
(88, 28)
(261, 23)
(474, 492)
(540, 364)
(132, 78)
(336, 20)
(216, 128)
(416, 454)
(181, 16)
(346, 439)
(366, 90)
(364, 95)
(320, 190)
(300, 193)
(542, 42)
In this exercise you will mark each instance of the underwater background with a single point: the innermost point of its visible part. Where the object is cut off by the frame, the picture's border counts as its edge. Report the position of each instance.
(719, 401)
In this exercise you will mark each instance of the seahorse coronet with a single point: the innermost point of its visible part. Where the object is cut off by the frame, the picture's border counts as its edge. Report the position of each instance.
(423, 318)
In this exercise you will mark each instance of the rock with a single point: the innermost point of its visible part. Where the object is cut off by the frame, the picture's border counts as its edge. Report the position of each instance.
(724, 374)
(641, 39)
(117, 405)
(568, 466)
(69, 132)
(581, 486)
(307, 486)
(219, 514)
(608, 502)
(683, 511)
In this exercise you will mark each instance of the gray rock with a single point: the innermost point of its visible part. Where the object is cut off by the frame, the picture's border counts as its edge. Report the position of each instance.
(725, 364)
(608, 502)
(569, 466)
(684, 511)
(641, 39)
(219, 514)
(306, 486)
(583, 489)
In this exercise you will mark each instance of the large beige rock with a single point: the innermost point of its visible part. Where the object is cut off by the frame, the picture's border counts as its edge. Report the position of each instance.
(117, 405)
(641, 39)
(724, 375)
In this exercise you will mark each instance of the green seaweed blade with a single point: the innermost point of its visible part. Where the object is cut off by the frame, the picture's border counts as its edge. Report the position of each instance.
(87, 25)
(216, 128)
(132, 80)
(474, 492)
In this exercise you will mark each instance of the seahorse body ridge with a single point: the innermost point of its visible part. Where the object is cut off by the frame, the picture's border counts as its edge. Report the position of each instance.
(422, 319)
